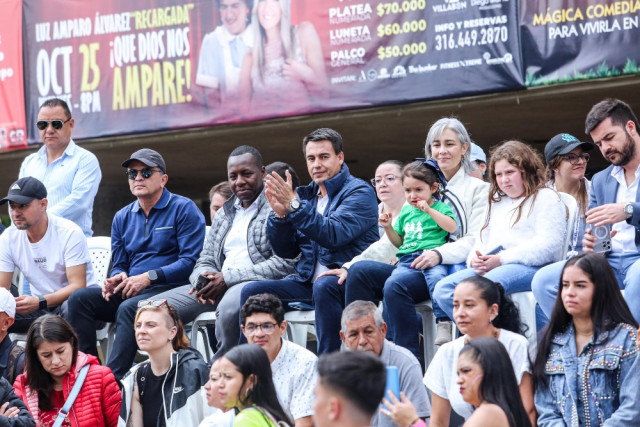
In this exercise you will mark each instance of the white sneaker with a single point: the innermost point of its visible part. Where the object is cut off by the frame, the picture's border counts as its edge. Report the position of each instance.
(443, 332)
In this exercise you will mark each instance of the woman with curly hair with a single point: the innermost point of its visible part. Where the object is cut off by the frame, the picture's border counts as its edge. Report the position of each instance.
(524, 229)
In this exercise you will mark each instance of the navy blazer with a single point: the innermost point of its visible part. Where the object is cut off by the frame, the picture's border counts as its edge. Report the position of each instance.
(347, 227)
(604, 189)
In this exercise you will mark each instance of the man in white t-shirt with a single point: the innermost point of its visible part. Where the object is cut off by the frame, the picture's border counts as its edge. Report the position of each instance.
(364, 330)
(293, 366)
(51, 252)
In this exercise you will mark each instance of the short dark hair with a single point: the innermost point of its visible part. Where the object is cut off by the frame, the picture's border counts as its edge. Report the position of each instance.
(262, 303)
(498, 382)
(280, 168)
(53, 329)
(247, 149)
(323, 134)
(358, 376)
(57, 102)
(223, 188)
(249, 4)
(619, 111)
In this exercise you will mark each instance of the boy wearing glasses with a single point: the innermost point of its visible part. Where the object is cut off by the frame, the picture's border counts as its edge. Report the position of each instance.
(155, 242)
(70, 173)
(293, 367)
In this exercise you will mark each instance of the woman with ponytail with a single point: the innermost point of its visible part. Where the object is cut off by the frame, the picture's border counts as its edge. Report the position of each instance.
(480, 309)
(164, 390)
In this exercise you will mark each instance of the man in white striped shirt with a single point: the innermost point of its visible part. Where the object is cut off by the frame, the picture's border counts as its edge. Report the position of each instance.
(70, 173)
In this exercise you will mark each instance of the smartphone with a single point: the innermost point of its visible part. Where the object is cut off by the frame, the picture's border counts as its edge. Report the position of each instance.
(393, 383)
(495, 251)
(301, 306)
(201, 282)
(603, 239)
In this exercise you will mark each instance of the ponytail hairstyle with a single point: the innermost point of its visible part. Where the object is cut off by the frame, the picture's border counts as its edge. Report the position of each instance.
(530, 165)
(418, 170)
(508, 316)
(499, 384)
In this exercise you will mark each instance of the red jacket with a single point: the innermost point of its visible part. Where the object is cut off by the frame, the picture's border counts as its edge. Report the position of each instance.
(98, 403)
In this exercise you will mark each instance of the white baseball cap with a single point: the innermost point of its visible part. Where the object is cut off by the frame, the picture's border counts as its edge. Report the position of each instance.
(7, 302)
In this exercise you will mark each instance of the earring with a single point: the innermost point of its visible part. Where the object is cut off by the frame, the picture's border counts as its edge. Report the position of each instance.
(246, 393)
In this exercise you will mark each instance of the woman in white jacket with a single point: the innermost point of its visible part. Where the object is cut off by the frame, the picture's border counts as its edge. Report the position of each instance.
(524, 229)
(449, 144)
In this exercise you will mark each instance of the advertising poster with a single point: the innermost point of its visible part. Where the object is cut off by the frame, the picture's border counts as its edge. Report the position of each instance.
(149, 65)
(571, 40)
(13, 132)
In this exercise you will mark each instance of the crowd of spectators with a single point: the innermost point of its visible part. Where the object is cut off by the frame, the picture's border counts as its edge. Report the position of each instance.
(458, 228)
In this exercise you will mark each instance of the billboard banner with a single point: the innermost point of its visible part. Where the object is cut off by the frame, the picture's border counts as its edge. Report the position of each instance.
(148, 65)
(13, 133)
(570, 40)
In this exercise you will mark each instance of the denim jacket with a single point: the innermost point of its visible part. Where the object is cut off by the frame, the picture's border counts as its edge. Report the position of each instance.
(612, 385)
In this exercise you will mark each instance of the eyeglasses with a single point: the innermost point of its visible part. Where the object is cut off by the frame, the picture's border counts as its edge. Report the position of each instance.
(574, 159)
(152, 302)
(267, 328)
(389, 179)
(56, 124)
(146, 173)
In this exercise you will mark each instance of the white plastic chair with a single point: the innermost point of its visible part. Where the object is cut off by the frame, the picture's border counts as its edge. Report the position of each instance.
(525, 301)
(100, 252)
(199, 328)
(298, 324)
(428, 331)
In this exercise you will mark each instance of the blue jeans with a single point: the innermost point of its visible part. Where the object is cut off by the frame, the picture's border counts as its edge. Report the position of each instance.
(329, 297)
(625, 266)
(627, 269)
(402, 291)
(513, 277)
(87, 307)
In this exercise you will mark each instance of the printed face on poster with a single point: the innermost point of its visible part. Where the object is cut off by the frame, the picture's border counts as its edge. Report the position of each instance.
(143, 66)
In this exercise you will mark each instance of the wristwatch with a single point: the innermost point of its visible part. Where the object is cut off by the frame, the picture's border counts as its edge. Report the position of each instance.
(294, 204)
(43, 303)
(153, 276)
(628, 209)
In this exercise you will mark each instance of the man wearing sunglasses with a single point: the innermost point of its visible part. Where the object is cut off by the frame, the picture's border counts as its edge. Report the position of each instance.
(155, 242)
(51, 252)
(70, 173)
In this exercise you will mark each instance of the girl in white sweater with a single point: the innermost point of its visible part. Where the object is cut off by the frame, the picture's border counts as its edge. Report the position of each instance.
(525, 226)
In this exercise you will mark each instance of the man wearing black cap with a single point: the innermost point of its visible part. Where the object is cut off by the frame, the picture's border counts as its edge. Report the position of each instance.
(155, 242)
(51, 252)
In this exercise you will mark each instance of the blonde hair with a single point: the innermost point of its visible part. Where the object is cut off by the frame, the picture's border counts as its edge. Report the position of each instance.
(260, 37)
(180, 341)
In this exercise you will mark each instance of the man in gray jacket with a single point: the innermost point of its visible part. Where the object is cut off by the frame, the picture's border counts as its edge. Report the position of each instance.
(236, 251)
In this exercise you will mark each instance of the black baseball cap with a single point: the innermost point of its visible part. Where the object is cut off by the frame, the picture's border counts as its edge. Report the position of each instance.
(149, 157)
(25, 190)
(563, 143)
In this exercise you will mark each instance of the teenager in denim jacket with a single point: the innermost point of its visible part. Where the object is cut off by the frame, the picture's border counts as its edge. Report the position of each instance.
(591, 315)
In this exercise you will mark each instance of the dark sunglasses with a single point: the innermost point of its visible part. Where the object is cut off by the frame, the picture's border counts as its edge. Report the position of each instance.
(146, 173)
(56, 124)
